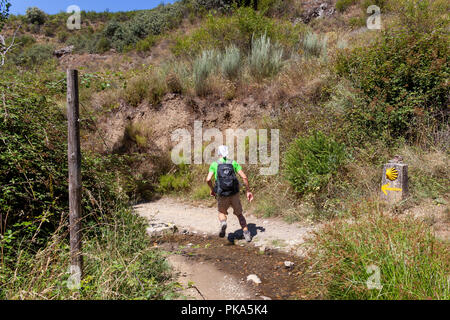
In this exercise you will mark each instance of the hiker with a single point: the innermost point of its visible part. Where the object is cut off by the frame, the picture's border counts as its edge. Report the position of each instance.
(226, 190)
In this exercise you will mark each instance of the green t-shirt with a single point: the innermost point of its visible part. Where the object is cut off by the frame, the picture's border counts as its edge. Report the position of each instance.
(214, 166)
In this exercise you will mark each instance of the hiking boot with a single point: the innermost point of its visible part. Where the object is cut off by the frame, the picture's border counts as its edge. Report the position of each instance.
(247, 236)
(223, 228)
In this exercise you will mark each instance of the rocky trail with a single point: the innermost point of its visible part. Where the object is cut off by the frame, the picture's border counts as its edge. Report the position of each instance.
(272, 266)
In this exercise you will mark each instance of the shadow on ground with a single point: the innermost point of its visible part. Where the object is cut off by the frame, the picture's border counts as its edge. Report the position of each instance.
(239, 234)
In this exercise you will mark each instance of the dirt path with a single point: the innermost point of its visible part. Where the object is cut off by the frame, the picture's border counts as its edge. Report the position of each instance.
(211, 268)
(269, 233)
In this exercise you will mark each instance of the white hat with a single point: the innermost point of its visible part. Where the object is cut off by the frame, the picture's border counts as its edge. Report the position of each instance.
(223, 151)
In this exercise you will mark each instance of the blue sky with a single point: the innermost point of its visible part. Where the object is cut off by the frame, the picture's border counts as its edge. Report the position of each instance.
(55, 6)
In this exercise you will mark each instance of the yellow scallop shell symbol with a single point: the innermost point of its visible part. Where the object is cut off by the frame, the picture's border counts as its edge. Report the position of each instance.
(392, 174)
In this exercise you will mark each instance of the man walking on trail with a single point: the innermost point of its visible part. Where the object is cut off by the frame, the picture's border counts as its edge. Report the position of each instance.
(226, 190)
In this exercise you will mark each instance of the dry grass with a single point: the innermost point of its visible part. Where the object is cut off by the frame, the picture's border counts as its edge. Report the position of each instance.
(412, 264)
(146, 87)
(140, 132)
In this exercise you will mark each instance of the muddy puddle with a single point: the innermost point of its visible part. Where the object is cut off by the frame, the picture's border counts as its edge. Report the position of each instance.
(237, 260)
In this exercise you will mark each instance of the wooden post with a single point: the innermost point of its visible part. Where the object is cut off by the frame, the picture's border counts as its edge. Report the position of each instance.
(394, 182)
(74, 157)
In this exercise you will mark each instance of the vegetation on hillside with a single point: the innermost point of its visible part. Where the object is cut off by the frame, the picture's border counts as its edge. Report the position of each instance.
(345, 103)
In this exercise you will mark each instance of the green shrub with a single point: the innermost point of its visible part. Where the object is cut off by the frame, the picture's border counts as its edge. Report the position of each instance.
(136, 270)
(143, 24)
(230, 63)
(219, 32)
(265, 59)
(412, 263)
(310, 162)
(35, 16)
(33, 165)
(350, 105)
(49, 31)
(62, 36)
(35, 55)
(251, 24)
(203, 67)
(88, 43)
(146, 44)
(150, 87)
(172, 182)
(403, 76)
(25, 41)
(103, 45)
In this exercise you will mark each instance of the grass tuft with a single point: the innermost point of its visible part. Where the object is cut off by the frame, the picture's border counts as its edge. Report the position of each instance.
(410, 261)
(265, 59)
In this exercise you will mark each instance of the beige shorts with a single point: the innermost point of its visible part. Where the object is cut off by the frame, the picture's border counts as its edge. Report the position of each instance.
(225, 203)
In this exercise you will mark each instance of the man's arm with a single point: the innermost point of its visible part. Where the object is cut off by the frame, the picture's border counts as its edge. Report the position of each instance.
(247, 185)
(210, 184)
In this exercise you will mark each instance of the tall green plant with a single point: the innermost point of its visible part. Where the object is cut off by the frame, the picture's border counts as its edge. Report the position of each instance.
(403, 76)
(35, 16)
(203, 66)
(310, 162)
(231, 62)
(265, 59)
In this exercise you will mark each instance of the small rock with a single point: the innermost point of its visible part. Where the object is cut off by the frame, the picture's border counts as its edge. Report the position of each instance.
(265, 298)
(262, 249)
(254, 278)
(61, 52)
(288, 264)
(156, 229)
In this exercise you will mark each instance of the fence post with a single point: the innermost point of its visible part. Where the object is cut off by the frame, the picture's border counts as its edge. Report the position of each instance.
(74, 158)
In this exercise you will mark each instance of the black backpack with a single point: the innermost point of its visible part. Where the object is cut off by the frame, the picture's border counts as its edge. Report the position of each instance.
(227, 183)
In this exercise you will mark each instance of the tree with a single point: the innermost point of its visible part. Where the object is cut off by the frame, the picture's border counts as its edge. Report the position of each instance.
(35, 15)
(4, 12)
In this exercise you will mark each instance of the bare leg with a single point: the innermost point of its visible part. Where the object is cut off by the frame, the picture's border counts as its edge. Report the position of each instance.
(222, 217)
(243, 222)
